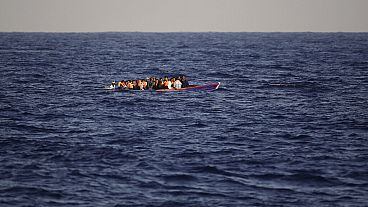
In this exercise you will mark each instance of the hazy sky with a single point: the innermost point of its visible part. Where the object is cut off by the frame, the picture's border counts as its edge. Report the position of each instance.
(183, 15)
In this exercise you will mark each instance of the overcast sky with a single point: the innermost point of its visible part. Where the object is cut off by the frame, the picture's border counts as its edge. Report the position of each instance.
(183, 15)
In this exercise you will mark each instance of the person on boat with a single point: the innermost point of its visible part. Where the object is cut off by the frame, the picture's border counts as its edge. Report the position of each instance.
(148, 81)
(155, 85)
(121, 84)
(152, 82)
(135, 85)
(113, 85)
(177, 84)
(184, 82)
(145, 84)
(167, 83)
(172, 80)
(130, 85)
(161, 84)
(141, 84)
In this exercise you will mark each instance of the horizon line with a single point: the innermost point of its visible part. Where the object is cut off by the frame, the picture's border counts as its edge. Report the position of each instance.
(183, 31)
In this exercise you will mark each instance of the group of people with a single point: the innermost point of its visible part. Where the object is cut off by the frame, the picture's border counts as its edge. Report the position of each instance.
(152, 83)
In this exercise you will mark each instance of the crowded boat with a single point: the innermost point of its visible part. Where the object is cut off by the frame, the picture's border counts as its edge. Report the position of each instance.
(151, 83)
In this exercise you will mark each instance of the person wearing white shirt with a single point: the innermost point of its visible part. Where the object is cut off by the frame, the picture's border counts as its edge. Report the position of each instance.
(177, 84)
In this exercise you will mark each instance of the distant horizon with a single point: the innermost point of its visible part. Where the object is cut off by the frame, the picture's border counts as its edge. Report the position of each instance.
(181, 32)
(164, 16)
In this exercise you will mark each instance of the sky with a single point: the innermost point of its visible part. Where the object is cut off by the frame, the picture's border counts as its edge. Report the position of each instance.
(184, 15)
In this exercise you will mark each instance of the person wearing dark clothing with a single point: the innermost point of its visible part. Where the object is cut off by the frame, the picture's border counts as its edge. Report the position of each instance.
(155, 85)
(184, 82)
(161, 84)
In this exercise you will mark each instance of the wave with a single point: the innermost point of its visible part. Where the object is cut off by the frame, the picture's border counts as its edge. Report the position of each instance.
(32, 191)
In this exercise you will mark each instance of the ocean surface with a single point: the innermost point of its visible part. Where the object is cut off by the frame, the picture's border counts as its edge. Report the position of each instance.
(287, 127)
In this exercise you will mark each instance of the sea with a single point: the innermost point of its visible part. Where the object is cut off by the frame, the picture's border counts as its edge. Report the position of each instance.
(287, 127)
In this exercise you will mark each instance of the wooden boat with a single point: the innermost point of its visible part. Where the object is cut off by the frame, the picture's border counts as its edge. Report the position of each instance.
(207, 87)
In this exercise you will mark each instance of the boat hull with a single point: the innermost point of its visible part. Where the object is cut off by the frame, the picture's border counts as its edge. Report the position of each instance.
(207, 87)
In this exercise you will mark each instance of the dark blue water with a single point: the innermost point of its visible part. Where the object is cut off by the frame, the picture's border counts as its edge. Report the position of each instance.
(288, 126)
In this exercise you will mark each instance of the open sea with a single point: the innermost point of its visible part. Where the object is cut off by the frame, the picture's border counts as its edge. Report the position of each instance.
(287, 127)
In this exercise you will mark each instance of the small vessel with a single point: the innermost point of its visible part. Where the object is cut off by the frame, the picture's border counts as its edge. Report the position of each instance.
(206, 87)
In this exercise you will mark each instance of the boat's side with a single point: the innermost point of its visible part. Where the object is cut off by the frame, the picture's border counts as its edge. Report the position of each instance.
(209, 87)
